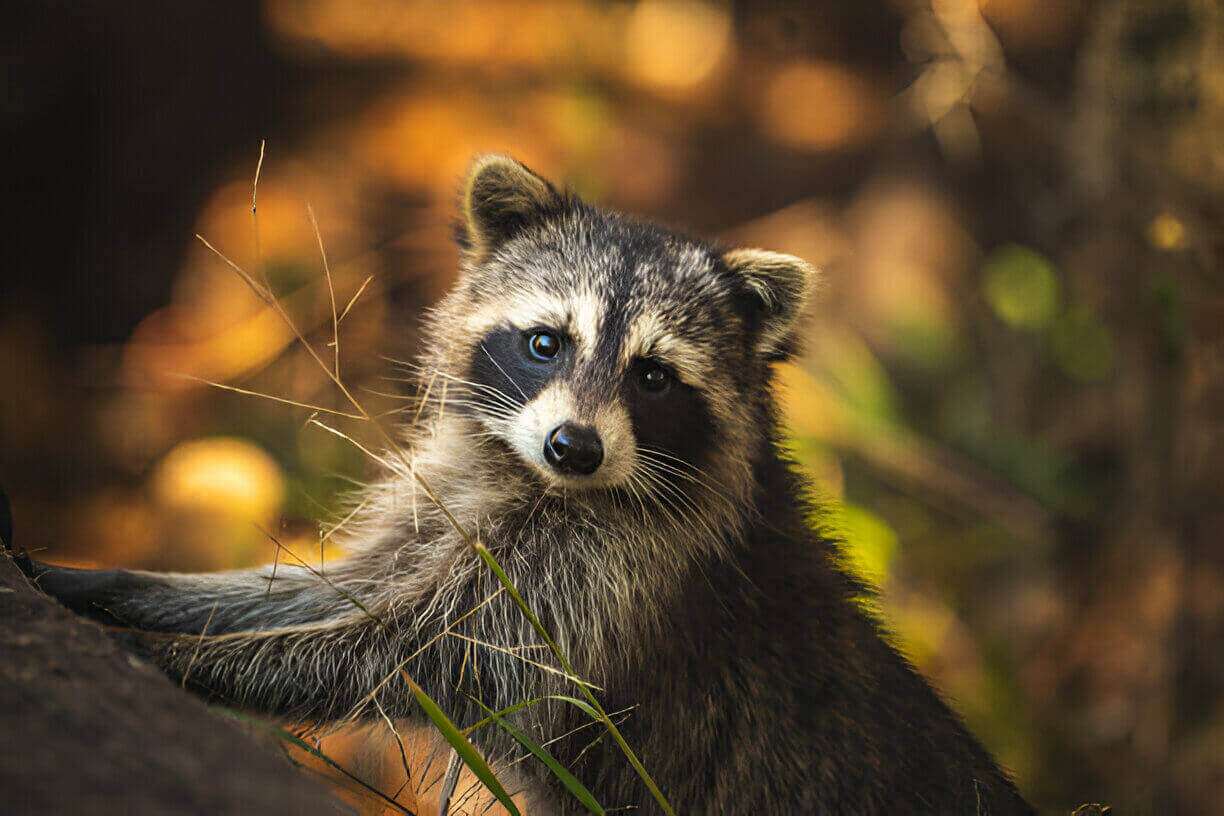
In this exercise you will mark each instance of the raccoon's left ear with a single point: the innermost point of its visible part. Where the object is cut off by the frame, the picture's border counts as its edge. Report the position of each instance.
(500, 198)
(778, 286)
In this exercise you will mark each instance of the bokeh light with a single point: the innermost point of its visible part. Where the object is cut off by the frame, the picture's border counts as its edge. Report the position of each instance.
(1010, 384)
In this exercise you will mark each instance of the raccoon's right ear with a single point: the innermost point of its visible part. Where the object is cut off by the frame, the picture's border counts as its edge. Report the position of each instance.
(500, 198)
(777, 287)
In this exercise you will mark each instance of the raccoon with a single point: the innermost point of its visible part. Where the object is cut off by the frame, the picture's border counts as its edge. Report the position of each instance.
(597, 410)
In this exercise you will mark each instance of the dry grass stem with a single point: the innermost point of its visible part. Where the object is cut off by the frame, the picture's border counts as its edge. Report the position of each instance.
(476, 546)
(353, 300)
(271, 397)
(199, 643)
(331, 289)
(511, 650)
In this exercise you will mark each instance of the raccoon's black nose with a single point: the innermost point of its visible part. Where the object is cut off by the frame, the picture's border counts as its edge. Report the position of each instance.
(573, 449)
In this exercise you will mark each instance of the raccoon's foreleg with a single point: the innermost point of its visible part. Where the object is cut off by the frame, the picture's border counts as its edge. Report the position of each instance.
(298, 646)
(219, 602)
(319, 672)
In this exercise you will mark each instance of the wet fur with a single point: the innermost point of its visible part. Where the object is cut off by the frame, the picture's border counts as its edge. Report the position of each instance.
(695, 594)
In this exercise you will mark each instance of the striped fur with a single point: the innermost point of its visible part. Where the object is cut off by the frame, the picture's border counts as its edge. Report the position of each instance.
(682, 577)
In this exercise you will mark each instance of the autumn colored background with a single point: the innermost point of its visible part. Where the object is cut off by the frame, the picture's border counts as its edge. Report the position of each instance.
(1014, 382)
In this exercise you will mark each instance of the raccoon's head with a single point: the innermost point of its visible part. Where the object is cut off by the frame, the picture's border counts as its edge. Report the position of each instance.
(611, 356)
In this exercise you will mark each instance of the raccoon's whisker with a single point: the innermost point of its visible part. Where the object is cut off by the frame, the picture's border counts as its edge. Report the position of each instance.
(669, 477)
(500, 399)
(487, 390)
(684, 507)
(484, 435)
(661, 456)
(403, 409)
(682, 496)
(667, 467)
(492, 392)
(483, 408)
(676, 462)
(663, 493)
(622, 499)
(661, 470)
(634, 488)
(489, 409)
(503, 371)
(730, 504)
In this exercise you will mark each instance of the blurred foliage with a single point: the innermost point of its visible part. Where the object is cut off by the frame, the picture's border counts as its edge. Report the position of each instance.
(1021, 287)
(1014, 375)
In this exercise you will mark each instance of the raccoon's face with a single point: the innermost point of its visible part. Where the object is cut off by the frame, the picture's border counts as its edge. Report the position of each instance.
(608, 354)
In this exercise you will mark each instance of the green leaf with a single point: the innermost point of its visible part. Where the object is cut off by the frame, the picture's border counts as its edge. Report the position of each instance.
(1022, 287)
(1081, 345)
(871, 544)
(571, 783)
(590, 712)
(466, 751)
(492, 564)
(476, 726)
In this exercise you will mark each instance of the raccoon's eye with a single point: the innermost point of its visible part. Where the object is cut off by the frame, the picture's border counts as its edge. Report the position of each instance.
(543, 345)
(654, 377)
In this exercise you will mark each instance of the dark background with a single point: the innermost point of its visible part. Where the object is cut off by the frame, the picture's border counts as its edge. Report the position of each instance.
(1015, 375)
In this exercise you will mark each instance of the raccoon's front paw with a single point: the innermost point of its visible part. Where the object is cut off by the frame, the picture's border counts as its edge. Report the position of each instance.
(20, 558)
(6, 521)
(84, 591)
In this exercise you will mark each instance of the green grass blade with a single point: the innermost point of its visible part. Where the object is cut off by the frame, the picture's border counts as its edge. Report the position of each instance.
(476, 726)
(492, 564)
(558, 770)
(466, 751)
(586, 709)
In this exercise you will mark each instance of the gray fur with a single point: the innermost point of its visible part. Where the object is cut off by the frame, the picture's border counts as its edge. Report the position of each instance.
(693, 591)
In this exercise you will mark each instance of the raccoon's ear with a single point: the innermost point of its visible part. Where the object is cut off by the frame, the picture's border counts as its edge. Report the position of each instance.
(777, 286)
(500, 198)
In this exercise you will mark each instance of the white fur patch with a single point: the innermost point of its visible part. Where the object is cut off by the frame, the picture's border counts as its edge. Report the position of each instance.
(555, 405)
(650, 336)
(579, 314)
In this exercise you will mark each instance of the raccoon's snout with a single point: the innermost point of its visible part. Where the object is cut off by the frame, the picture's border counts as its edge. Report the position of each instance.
(573, 448)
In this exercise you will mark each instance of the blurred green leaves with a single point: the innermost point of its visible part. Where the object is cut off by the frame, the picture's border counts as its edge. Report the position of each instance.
(1022, 287)
(871, 543)
(1081, 345)
(1024, 290)
(857, 376)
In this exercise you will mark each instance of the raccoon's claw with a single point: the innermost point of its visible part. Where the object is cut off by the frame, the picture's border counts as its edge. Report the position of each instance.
(79, 590)
(6, 521)
(22, 559)
(84, 591)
